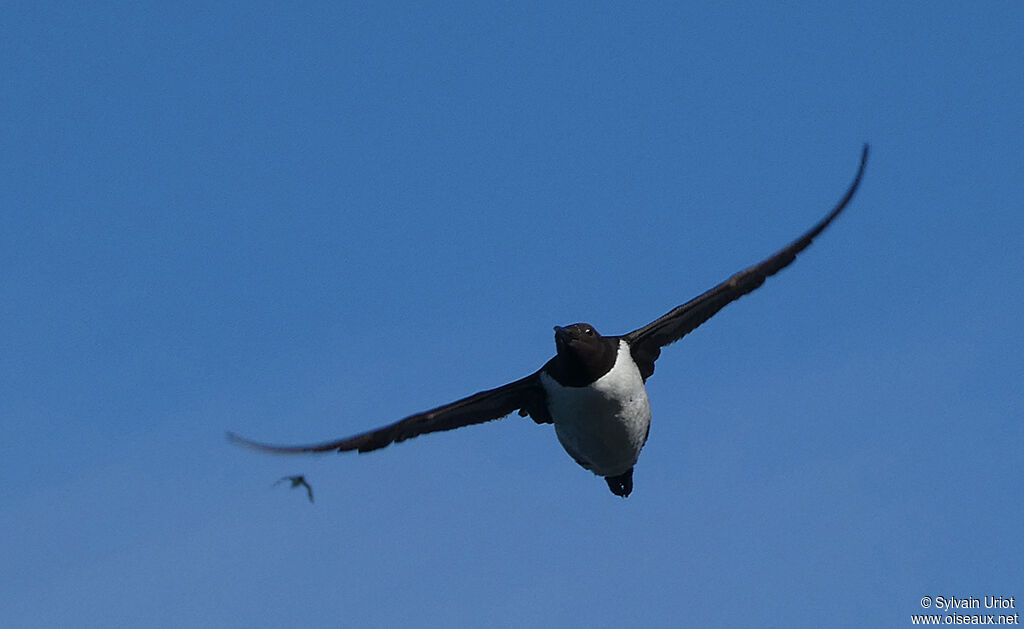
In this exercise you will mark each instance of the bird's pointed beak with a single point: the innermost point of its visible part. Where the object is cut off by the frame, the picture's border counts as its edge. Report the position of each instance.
(561, 335)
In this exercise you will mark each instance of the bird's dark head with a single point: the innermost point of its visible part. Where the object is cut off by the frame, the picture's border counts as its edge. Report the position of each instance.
(580, 341)
(576, 335)
(583, 354)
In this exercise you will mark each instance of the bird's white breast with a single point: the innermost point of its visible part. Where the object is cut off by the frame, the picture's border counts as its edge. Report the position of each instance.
(604, 424)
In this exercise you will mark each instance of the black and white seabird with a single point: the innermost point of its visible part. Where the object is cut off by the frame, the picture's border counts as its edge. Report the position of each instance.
(592, 390)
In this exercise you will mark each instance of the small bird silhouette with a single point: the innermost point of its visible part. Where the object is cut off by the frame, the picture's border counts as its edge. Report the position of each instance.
(297, 481)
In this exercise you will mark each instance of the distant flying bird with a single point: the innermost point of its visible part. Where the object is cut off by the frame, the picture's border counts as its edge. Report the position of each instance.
(297, 481)
(592, 390)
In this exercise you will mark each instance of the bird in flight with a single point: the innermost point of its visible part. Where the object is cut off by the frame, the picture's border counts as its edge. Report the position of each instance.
(297, 481)
(592, 390)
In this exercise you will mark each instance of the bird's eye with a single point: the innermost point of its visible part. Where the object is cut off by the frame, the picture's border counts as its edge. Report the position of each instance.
(589, 332)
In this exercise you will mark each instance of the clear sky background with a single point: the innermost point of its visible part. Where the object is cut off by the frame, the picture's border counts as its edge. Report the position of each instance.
(299, 222)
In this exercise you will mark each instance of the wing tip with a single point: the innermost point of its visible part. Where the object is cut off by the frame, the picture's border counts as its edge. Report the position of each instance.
(239, 440)
(864, 153)
(843, 202)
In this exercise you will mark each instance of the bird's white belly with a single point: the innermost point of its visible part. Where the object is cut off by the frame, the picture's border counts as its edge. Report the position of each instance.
(603, 425)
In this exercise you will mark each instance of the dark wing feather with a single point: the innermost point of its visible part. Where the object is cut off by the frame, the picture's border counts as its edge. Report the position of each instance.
(525, 395)
(646, 342)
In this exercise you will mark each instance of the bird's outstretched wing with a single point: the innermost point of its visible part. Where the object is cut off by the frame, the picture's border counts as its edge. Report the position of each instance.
(309, 488)
(646, 342)
(525, 395)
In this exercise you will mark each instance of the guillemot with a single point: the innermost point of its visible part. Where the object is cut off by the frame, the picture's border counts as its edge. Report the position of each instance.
(593, 389)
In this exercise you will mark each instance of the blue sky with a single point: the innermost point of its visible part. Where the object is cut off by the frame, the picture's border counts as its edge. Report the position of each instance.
(300, 222)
